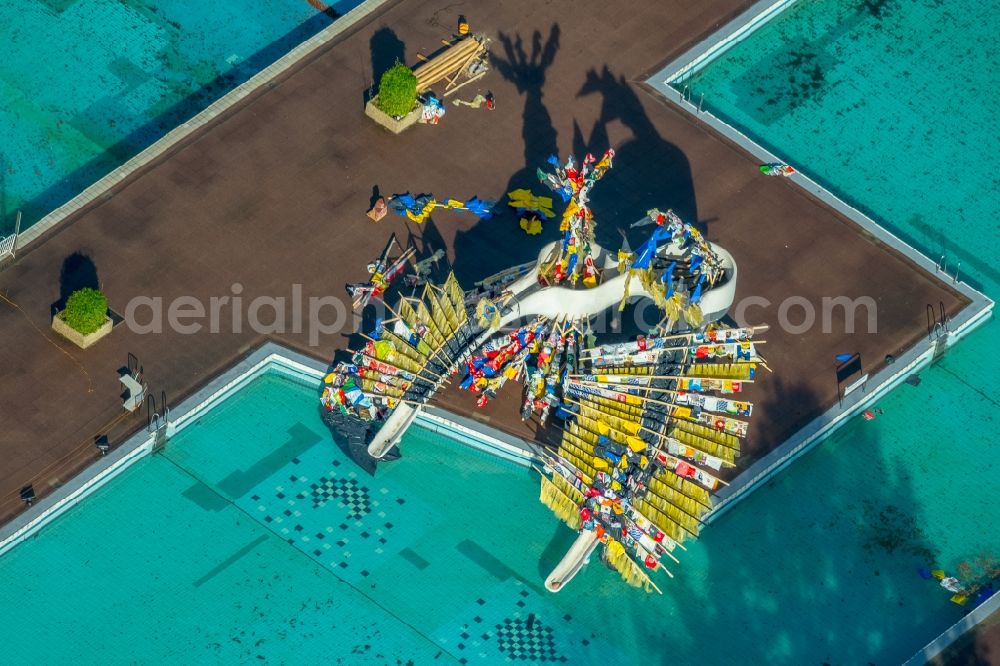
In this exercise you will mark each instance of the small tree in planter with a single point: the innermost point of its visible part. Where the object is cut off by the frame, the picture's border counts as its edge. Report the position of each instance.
(85, 319)
(395, 106)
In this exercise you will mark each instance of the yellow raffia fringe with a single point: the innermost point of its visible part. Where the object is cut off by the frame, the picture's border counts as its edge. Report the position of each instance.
(617, 557)
(693, 315)
(565, 509)
(628, 279)
(723, 370)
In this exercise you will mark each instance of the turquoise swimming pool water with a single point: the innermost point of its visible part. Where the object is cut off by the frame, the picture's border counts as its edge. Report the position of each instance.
(250, 539)
(891, 106)
(87, 84)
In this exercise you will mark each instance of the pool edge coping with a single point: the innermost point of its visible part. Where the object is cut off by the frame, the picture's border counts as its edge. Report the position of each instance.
(270, 356)
(274, 356)
(101, 187)
(917, 356)
(141, 443)
(913, 358)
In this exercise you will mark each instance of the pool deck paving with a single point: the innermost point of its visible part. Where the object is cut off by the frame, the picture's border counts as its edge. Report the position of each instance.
(273, 194)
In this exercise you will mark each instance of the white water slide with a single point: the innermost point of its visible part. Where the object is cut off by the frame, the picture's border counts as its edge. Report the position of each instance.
(573, 562)
(392, 430)
(530, 300)
(559, 301)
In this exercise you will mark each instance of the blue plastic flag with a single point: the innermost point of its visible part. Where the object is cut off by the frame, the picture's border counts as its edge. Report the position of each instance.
(696, 262)
(668, 275)
(696, 295)
(648, 249)
(644, 256)
(481, 208)
(397, 205)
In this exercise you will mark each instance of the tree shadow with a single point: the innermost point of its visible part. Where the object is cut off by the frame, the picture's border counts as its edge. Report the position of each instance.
(78, 272)
(972, 648)
(386, 49)
(427, 240)
(524, 65)
(649, 171)
(784, 407)
(819, 565)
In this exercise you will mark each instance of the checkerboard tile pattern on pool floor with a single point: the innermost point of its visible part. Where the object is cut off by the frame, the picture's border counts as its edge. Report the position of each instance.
(348, 521)
(514, 624)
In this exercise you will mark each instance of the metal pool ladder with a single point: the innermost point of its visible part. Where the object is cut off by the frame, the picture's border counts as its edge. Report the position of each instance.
(157, 422)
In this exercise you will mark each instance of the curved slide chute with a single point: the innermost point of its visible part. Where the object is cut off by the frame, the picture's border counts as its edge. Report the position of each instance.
(559, 301)
(574, 560)
(392, 431)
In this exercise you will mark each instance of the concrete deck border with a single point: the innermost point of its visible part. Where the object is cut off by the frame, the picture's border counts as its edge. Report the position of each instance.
(918, 356)
(272, 357)
(269, 356)
(880, 383)
(100, 188)
(955, 631)
(719, 42)
(481, 436)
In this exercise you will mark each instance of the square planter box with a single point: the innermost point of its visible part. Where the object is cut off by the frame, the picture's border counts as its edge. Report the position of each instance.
(385, 120)
(79, 339)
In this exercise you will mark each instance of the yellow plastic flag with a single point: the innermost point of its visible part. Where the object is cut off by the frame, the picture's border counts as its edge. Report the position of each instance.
(434, 335)
(384, 350)
(531, 226)
(457, 296)
(438, 314)
(407, 314)
(635, 444)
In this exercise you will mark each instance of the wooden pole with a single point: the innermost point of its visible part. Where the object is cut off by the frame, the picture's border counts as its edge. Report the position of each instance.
(565, 463)
(641, 376)
(414, 372)
(636, 352)
(465, 63)
(648, 579)
(688, 336)
(661, 436)
(649, 389)
(389, 397)
(465, 83)
(435, 353)
(657, 449)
